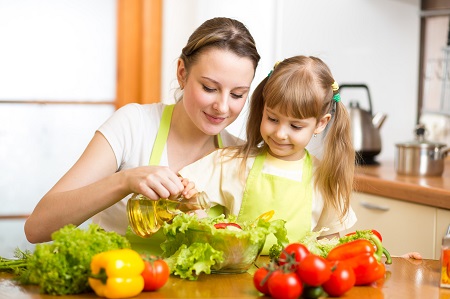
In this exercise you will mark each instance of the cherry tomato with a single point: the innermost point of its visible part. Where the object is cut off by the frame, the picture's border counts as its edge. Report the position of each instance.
(225, 224)
(155, 274)
(299, 251)
(314, 270)
(342, 279)
(284, 285)
(260, 279)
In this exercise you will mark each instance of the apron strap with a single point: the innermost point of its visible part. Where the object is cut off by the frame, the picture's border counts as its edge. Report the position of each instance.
(161, 137)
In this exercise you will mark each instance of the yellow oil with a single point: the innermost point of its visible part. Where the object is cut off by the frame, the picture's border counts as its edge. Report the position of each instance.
(146, 216)
(142, 217)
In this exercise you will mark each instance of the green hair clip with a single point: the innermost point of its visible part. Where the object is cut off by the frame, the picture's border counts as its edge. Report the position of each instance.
(337, 97)
(271, 71)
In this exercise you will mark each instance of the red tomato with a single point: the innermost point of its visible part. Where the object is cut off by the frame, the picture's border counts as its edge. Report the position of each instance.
(155, 274)
(342, 279)
(299, 251)
(225, 224)
(284, 285)
(314, 270)
(260, 279)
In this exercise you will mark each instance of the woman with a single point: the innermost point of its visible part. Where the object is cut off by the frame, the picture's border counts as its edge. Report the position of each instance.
(214, 71)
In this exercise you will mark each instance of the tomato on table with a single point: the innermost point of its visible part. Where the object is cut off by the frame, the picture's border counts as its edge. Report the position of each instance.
(299, 251)
(341, 280)
(155, 274)
(314, 270)
(284, 285)
(260, 279)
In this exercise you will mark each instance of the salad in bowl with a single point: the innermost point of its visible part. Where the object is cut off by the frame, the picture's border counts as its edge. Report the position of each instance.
(218, 244)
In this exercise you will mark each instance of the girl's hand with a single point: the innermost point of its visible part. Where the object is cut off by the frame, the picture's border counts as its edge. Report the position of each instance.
(189, 188)
(412, 255)
(154, 182)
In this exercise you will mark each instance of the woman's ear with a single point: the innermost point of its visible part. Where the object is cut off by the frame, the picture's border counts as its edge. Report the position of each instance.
(321, 125)
(181, 73)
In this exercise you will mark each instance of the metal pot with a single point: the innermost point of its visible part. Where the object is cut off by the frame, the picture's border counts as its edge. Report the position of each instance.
(420, 157)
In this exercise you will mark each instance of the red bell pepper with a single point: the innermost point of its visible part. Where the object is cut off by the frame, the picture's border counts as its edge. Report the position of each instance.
(372, 236)
(352, 249)
(363, 258)
(367, 268)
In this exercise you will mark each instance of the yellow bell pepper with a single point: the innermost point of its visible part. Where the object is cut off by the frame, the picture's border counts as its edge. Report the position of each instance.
(266, 216)
(117, 273)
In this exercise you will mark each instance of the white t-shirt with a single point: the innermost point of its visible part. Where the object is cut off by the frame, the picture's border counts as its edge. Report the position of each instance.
(221, 179)
(131, 131)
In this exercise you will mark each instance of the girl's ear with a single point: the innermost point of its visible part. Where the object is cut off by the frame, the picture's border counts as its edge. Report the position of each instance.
(181, 73)
(322, 123)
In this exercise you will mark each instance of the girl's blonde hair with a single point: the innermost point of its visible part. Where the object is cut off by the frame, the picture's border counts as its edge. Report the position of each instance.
(301, 87)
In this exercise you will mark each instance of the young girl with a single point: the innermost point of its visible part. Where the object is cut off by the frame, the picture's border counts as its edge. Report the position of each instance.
(273, 170)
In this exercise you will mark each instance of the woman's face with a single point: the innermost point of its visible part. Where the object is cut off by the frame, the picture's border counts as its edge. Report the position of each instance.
(216, 88)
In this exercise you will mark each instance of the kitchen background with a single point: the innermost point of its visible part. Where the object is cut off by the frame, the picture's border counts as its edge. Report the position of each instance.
(64, 51)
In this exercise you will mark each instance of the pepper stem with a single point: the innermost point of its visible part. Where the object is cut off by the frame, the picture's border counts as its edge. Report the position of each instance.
(379, 253)
(101, 275)
(388, 256)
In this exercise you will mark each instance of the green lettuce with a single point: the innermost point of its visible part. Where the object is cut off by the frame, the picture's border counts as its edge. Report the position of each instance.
(318, 246)
(194, 246)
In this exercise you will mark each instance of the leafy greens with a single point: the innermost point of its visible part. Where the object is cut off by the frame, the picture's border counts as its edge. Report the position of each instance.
(62, 267)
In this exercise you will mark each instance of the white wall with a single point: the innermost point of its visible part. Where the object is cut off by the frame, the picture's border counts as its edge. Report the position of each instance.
(50, 50)
(375, 42)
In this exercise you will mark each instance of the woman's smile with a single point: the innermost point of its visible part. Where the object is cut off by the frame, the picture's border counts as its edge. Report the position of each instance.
(214, 119)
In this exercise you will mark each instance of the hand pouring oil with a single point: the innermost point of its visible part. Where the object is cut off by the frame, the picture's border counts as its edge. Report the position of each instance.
(146, 216)
(445, 260)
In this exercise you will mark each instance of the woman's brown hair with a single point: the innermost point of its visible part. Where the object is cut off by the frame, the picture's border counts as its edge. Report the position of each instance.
(221, 33)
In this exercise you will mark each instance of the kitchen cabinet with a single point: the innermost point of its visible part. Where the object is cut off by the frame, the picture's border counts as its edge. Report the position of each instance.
(405, 226)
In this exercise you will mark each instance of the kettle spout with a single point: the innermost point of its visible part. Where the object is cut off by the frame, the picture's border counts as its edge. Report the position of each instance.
(378, 120)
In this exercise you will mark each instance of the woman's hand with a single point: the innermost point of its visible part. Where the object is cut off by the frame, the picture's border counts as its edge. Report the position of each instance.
(154, 182)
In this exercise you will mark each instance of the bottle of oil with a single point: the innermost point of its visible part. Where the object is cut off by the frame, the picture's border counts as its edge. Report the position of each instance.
(146, 216)
(445, 260)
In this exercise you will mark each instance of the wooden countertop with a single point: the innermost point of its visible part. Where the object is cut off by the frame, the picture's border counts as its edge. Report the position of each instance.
(405, 278)
(383, 180)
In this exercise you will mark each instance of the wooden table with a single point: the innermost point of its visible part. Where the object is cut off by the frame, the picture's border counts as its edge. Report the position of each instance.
(405, 279)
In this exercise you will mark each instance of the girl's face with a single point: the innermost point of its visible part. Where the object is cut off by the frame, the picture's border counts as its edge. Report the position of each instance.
(287, 137)
(216, 88)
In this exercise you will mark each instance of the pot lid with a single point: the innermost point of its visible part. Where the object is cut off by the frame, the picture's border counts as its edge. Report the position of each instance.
(420, 141)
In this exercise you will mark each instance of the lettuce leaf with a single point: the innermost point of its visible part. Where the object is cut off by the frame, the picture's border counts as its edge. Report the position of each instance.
(319, 247)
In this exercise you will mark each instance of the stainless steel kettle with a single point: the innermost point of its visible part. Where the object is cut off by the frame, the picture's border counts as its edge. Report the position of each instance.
(365, 127)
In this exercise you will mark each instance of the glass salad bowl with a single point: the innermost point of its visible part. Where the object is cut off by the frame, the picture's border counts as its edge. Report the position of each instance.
(213, 245)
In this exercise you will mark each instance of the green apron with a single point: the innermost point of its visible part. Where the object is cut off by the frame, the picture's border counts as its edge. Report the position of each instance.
(291, 200)
(152, 244)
